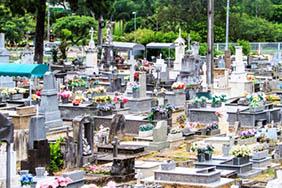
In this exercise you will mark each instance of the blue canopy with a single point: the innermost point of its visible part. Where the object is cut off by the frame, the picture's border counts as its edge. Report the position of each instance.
(23, 70)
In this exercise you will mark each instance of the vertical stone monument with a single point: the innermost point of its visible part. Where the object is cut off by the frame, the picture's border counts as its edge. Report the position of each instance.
(179, 51)
(238, 80)
(49, 103)
(4, 53)
(91, 57)
(142, 103)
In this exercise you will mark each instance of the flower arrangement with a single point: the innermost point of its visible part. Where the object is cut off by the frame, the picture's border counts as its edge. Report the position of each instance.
(26, 179)
(199, 148)
(247, 134)
(202, 148)
(178, 85)
(105, 107)
(212, 126)
(77, 82)
(76, 102)
(163, 109)
(4, 91)
(58, 182)
(94, 169)
(175, 131)
(181, 119)
(255, 100)
(96, 90)
(65, 94)
(146, 127)
(120, 99)
(260, 147)
(240, 151)
(102, 99)
(134, 85)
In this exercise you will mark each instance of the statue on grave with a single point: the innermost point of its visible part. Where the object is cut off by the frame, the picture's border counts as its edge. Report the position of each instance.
(102, 136)
(109, 37)
(117, 124)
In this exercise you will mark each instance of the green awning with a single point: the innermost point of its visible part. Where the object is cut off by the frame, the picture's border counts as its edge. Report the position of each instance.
(23, 70)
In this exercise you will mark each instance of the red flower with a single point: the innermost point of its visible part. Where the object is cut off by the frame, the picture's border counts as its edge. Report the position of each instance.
(124, 100)
(136, 75)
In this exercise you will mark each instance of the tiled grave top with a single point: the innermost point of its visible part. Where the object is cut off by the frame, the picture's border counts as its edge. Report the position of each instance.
(191, 171)
(146, 164)
(229, 109)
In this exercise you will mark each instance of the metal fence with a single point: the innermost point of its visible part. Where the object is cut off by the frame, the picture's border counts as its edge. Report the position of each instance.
(262, 47)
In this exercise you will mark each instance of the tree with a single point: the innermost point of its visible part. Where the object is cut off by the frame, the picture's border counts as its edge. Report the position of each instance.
(73, 30)
(96, 8)
(37, 7)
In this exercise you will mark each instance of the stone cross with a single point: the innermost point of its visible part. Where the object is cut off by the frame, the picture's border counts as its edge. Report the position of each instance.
(91, 33)
(115, 144)
(188, 41)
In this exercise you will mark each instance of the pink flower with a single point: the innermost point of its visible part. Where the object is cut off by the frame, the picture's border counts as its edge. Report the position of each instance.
(111, 184)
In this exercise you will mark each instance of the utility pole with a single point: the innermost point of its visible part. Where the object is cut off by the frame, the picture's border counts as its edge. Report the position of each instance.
(134, 13)
(210, 43)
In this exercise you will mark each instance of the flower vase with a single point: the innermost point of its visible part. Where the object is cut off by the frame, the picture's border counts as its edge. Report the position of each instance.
(208, 156)
(65, 100)
(201, 157)
(135, 93)
(121, 105)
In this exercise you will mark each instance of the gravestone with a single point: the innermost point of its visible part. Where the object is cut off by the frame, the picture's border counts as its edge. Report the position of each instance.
(91, 57)
(37, 130)
(159, 136)
(3, 165)
(179, 52)
(27, 56)
(4, 53)
(49, 103)
(108, 57)
(83, 128)
(238, 79)
(7, 82)
(142, 103)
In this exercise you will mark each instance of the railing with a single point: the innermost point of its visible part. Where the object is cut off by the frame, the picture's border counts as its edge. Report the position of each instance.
(263, 47)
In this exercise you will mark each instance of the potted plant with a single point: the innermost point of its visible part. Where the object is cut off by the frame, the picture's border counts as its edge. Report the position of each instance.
(241, 154)
(146, 130)
(65, 95)
(260, 151)
(200, 150)
(208, 152)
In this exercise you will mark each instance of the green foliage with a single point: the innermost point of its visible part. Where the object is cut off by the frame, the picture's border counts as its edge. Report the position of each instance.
(246, 46)
(74, 28)
(146, 127)
(56, 157)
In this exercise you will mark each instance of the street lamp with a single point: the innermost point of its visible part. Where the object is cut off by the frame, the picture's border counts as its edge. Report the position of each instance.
(134, 13)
